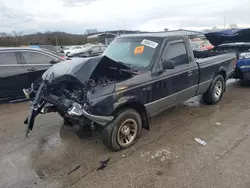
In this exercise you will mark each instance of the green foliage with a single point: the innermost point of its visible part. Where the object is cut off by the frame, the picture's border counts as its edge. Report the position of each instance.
(47, 38)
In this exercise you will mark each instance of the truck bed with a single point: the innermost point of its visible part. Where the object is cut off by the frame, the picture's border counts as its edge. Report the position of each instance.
(211, 65)
(206, 54)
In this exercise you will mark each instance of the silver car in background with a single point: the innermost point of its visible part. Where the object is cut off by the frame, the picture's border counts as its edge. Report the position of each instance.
(89, 51)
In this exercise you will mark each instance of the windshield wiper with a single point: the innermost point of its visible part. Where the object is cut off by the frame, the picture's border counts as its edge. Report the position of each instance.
(132, 67)
(130, 70)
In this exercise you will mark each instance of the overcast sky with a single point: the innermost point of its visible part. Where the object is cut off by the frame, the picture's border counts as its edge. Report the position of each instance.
(75, 16)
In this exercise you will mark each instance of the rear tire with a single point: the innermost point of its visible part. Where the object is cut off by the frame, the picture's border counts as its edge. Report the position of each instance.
(124, 131)
(215, 91)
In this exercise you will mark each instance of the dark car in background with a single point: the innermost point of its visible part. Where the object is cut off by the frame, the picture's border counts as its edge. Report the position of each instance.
(19, 67)
(89, 51)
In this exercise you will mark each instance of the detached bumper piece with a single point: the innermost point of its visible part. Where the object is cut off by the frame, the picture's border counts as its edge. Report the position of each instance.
(74, 109)
(26, 93)
(36, 109)
(29, 93)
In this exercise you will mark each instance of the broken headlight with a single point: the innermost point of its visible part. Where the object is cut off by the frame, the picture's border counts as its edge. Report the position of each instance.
(75, 109)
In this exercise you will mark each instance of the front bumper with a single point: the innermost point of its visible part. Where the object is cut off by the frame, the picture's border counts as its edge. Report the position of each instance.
(74, 109)
(69, 107)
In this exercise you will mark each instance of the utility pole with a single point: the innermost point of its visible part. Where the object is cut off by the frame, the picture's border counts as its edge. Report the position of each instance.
(123, 27)
(224, 22)
(56, 41)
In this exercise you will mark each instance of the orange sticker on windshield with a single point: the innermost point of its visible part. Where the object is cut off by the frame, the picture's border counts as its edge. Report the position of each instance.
(139, 50)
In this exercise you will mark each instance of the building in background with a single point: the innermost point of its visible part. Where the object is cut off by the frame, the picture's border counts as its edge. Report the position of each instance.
(189, 33)
(107, 36)
(104, 38)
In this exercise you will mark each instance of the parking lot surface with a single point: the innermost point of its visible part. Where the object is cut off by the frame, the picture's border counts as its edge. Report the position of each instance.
(167, 156)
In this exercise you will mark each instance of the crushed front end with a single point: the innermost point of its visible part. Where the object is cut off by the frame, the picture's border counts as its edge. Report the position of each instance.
(80, 91)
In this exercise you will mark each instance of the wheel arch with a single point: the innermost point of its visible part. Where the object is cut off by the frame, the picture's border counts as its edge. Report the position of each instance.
(137, 106)
(223, 73)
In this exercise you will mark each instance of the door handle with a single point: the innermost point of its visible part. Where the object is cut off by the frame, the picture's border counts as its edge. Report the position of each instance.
(31, 69)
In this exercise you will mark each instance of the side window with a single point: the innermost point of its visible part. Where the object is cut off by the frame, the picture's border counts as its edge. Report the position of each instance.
(96, 49)
(7, 58)
(177, 52)
(36, 58)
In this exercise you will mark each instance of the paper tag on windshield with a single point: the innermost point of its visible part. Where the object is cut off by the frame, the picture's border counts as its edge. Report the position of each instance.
(139, 50)
(149, 43)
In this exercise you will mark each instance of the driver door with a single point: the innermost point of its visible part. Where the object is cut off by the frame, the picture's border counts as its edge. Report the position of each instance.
(171, 86)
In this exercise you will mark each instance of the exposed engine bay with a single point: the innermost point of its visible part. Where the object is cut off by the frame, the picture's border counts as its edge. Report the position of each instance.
(99, 78)
(78, 92)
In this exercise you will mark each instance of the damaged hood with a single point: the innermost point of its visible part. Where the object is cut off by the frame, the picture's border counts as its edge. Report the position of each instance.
(78, 69)
(228, 36)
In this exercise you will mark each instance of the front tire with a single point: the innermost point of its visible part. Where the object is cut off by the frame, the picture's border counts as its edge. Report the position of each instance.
(215, 91)
(66, 122)
(123, 131)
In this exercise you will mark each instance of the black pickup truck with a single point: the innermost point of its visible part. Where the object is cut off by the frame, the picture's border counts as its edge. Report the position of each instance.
(137, 77)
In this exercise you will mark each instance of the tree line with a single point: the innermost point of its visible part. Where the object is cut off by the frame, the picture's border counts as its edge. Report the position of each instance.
(59, 38)
(47, 38)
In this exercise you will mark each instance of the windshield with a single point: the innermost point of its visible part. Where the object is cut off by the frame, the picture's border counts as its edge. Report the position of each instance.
(137, 52)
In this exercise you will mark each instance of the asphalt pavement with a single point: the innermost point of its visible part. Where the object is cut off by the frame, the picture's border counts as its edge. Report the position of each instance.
(54, 156)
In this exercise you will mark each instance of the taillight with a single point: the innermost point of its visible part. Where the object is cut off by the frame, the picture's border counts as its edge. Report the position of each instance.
(63, 57)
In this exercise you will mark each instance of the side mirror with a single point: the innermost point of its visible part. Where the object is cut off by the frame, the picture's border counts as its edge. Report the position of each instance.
(168, 64)
(90, 51)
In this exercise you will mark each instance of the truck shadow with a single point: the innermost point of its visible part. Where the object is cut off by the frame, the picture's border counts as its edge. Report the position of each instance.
(65, 156)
